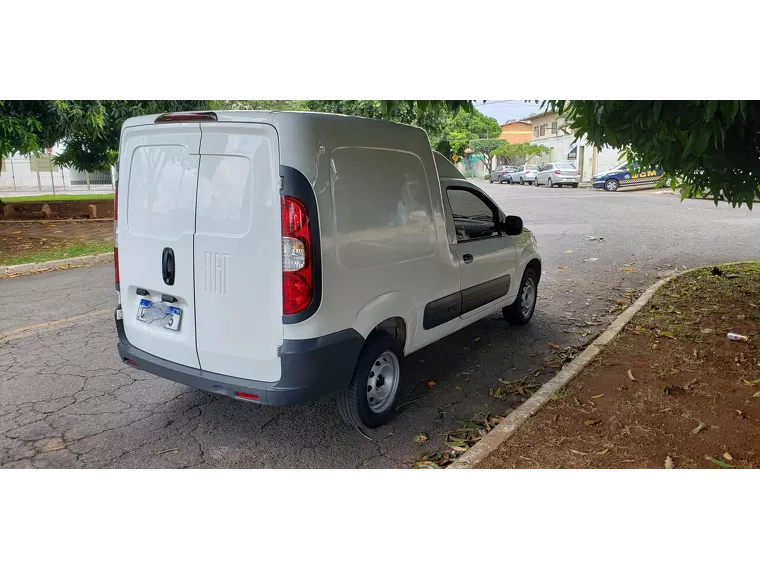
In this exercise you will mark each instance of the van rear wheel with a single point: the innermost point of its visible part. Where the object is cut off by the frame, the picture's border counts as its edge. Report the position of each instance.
(370, 400)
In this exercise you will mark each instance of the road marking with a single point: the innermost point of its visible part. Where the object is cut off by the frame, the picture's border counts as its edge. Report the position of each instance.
(27, 331)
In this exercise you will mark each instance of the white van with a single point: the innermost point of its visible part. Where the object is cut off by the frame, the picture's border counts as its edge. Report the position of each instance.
(278, 257)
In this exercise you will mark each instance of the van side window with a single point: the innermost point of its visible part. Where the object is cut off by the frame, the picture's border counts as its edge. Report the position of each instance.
(474, 218)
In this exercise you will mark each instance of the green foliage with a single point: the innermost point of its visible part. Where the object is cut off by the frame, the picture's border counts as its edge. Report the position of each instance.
(89, 130)
(430, 118)
(709, 148)
(257, 105)
(484, 148)
(521, 152)
(462, 127)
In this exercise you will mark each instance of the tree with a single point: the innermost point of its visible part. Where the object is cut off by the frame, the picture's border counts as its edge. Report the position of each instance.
(430, 118)
(709, 148)
(520, 152)
(483, 148)
(88, 130)
(462, 127)
(257, 105)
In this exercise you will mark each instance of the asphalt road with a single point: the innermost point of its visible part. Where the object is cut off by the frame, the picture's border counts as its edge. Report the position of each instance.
(67, 401)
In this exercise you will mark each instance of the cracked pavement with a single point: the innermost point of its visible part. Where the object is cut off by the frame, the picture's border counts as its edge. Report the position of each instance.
(66, 400)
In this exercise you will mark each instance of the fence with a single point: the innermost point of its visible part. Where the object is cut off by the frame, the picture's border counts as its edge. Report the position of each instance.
(41, 175)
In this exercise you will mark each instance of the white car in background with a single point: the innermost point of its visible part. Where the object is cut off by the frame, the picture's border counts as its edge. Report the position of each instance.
(558, 174)
(525, 174)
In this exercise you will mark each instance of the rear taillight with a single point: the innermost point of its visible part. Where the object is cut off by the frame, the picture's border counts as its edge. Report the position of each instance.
(557, 172)
(297, 266)
(116, 234)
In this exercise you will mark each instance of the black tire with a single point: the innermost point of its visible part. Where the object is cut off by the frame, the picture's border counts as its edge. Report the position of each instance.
(537, 184)
(490, 180)
(500, 180)
(611, 185)
(522, 182)
(550, 184)
(575, 185)
(514, 313)
(353, 406)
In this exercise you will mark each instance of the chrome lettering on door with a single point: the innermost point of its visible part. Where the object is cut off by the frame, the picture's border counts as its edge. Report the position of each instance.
(216, 273)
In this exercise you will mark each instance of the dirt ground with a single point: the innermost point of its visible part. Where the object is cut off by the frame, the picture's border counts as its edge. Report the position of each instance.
(672, 388)
(63, 210)
(20, 239)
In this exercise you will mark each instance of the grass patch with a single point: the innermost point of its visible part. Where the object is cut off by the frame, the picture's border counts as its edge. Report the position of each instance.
(65, 252)
(59, 198)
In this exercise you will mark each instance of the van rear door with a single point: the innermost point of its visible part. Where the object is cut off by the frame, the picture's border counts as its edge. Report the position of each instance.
(238, 251)
(158, 179)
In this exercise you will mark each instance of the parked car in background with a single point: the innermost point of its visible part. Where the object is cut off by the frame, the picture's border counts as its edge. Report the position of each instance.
(622, 176)
(525, 174)
(500, 174)
(558, 174)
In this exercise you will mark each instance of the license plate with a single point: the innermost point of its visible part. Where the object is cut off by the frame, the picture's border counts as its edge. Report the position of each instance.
(159, 314)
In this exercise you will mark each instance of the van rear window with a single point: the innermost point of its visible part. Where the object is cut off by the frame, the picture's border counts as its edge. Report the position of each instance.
(161, 194)
(383, 210)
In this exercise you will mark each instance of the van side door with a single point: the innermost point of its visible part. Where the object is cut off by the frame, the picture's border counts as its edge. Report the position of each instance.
(487, 258)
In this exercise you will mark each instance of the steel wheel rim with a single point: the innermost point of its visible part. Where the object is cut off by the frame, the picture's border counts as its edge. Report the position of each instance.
(383, 382)
(527, 298)
(611, 185)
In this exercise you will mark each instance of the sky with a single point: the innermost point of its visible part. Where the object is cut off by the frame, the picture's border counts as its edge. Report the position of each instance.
(507, 110)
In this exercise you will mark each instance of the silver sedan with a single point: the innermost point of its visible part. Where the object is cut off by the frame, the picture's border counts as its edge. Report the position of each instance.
(558, 174)
(524, 174)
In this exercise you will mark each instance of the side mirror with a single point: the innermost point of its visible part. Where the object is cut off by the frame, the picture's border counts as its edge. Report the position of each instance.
(512, 225)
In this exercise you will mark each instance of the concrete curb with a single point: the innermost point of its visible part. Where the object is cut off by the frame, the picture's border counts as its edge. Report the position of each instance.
(509, 426)
(29, 268)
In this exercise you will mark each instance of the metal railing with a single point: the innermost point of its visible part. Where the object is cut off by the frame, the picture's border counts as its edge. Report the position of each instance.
(34, 175)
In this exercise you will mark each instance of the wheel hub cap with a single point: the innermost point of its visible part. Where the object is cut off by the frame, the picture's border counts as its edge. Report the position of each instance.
(383, 382)
(528, 298)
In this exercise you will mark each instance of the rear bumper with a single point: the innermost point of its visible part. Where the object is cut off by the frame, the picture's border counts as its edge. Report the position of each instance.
(311, 369)
(568, 180)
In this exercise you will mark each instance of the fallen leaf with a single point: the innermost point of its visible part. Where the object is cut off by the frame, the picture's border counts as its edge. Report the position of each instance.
(457, 448)
(628, 270)
(591, 422)
(727, 456)
(666, 334)
(554, 346)
(630, 376)
(719, 462)
(476, 339)
(457, 387)
(654, 346)
(669, 462)
(603, 451)
(707, 331)
(755, 382)
(590, 260)
(578, 452)
(569, 251)
(756, 394)
(431, 383)
(563, 267)
(421, 438)
(597, 396)
(698, 428)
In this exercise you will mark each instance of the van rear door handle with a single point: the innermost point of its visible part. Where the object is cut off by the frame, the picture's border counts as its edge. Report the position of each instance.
(167, 266)
(467, 258)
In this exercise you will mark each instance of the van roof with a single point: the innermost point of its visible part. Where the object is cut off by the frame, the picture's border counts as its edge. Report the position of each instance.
(269, 117)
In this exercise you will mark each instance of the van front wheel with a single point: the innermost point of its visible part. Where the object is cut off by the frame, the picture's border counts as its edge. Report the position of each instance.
(370, 400)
